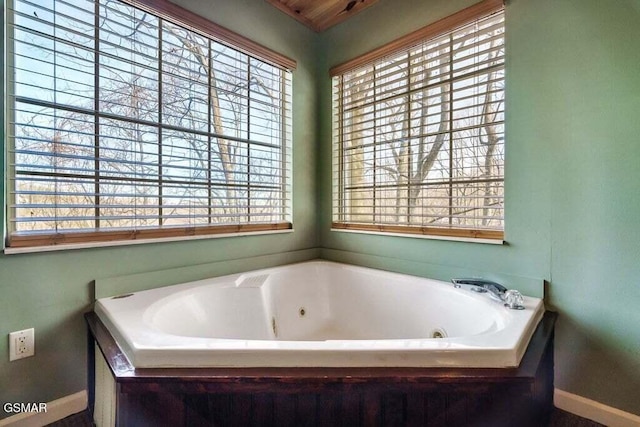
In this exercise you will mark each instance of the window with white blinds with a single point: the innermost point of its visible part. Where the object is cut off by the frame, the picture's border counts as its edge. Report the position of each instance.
(128, 123)
(419, 134)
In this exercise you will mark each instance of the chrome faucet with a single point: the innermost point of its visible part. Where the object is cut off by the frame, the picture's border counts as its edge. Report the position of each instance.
(510, 298)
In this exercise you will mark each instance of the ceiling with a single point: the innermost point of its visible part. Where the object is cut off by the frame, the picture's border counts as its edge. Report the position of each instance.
(321, 14)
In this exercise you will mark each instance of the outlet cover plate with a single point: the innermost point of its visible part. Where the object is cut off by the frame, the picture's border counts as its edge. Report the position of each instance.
(21, 344)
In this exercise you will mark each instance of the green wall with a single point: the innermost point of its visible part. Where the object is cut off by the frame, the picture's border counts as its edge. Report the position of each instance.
(50, 291)
(572, 176)
(572, 194)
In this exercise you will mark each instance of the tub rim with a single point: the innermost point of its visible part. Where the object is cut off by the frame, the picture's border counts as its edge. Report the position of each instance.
(503, 348)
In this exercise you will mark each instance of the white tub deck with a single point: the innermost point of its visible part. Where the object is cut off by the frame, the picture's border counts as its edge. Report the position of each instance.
(318, 313)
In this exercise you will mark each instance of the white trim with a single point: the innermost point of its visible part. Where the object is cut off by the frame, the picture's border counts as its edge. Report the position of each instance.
(590, 409)
(423, 236)
(88, 245)
(56, 410)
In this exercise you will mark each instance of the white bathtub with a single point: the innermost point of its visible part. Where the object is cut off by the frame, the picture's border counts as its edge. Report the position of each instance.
(318, 313)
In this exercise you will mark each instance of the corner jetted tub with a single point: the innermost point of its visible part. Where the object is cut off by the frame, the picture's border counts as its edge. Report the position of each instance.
(317, 314)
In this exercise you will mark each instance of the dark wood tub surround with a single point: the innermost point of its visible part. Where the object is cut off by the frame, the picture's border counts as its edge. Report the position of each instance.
(520, 396)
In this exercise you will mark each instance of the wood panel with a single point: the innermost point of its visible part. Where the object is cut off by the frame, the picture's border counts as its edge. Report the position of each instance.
(71, 238)
(321, 14)
(520, 396)
(421, 230)
(509, 406)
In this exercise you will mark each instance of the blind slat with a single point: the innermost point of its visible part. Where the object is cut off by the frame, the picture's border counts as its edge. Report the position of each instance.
(430, 32)
(419, 135)
(141, 121)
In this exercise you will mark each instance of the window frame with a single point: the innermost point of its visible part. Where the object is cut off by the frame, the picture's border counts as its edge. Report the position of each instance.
(339, 222)
(176, 15)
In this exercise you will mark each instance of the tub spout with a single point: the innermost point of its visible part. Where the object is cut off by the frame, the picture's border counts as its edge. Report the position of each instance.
(510, 298)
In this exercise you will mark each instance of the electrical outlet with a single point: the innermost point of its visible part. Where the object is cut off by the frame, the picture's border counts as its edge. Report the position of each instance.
(21, 344)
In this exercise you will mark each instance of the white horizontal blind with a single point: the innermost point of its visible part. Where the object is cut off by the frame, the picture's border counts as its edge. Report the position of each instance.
(121, 120)
(419, 137)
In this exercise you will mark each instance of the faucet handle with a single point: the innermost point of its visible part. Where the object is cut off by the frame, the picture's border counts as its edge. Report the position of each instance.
(513, 299)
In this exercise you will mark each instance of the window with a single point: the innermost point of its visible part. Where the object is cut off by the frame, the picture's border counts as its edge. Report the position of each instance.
(132, 122)
(419, 131)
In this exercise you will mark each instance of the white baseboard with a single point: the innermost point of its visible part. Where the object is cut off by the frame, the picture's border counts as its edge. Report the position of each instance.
(56, 410)
(595, 411)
